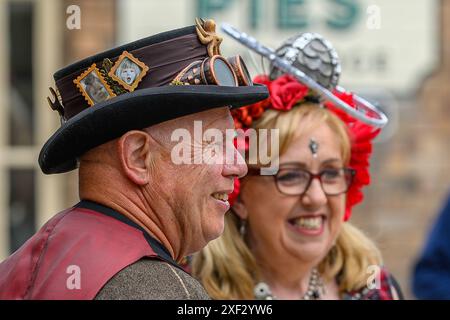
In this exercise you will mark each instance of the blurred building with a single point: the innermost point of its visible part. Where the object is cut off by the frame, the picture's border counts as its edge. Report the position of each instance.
(395, 52)
(34, 42)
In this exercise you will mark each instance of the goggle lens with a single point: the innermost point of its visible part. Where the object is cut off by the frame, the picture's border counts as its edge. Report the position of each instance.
(223, 73)
(216, 70)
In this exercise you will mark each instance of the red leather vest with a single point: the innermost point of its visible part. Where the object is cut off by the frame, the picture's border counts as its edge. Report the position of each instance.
(72, 257)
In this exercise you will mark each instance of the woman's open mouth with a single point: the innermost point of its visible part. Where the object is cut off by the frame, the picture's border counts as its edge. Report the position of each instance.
(308, 225)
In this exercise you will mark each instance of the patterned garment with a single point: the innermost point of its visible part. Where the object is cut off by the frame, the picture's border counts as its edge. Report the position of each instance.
(388, 284)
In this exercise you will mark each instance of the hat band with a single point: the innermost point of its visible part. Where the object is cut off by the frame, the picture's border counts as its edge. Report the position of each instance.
(161, 62)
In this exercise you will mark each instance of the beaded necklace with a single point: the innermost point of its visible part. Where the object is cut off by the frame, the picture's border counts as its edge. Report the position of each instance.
(315, 289)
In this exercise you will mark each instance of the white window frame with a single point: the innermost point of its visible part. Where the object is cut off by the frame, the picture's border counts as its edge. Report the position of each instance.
(47, 58)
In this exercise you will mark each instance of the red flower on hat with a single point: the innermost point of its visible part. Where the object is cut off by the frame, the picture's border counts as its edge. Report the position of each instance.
(285, 92)
(244, 117)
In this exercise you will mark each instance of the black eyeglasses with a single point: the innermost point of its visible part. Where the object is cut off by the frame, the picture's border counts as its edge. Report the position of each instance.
(293, 180)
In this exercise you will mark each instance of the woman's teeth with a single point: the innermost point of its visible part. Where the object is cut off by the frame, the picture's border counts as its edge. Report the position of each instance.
(312, 223)
(221, 196)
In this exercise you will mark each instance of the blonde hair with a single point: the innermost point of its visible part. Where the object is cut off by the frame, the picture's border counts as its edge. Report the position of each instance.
(226, 266)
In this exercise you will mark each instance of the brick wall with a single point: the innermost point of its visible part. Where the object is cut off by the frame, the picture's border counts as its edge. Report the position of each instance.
(411, 173)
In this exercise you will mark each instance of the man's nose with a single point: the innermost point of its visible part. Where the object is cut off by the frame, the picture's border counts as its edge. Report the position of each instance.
(234, 163)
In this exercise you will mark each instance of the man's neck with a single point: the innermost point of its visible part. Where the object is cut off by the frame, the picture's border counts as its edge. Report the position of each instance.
(105, 184)
(136, 211)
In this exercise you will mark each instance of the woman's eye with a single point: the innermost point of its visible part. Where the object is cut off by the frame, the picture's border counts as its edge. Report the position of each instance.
(293, 176)
(331, 174)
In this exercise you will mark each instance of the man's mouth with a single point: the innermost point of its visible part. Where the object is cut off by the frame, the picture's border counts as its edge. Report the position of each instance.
(220, 196)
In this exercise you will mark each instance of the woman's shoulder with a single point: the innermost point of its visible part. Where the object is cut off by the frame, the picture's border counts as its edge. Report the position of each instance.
(381, 285)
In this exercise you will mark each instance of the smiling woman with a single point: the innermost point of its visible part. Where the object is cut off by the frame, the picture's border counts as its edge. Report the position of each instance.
(282, 227)
(287, 236)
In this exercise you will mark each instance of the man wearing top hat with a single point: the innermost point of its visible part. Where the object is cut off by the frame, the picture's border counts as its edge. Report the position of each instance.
(140, 212)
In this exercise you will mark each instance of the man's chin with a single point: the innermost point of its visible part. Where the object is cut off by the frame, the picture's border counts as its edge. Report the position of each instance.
(215, 232)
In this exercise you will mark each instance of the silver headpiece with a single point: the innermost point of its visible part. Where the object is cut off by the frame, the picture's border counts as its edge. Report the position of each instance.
(312, 61)
(312, 54)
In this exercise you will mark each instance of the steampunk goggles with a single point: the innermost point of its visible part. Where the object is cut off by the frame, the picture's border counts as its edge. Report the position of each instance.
(215, 70)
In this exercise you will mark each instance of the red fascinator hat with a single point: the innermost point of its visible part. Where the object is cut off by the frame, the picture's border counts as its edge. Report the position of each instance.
(316, 59)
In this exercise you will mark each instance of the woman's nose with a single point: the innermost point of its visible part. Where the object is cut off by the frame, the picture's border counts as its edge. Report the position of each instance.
(314, 195)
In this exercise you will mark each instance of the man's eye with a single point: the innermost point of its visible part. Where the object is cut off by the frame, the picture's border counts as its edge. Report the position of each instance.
(216, 143)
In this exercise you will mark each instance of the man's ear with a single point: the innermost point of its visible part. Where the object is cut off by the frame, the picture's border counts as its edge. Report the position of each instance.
(135, 156)
(239, 209)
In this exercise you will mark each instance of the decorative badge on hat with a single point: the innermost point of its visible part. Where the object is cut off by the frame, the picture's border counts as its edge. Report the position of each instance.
(93, 86)
(101, 84)
(128, 71)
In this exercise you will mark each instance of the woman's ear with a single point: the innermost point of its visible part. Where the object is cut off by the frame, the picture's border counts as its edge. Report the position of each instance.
(240, 209)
